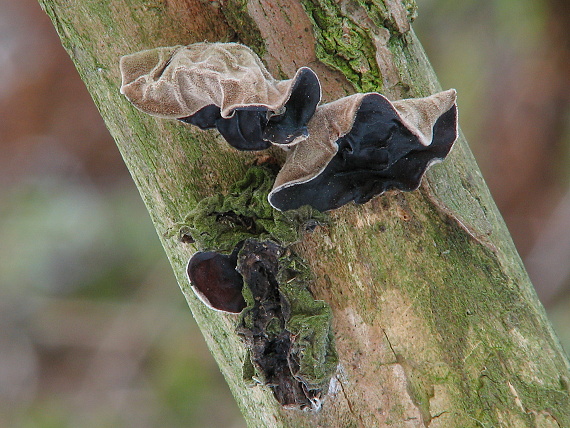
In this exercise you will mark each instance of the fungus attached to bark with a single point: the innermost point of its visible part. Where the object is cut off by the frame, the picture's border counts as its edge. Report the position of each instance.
(288, 334)
(216, 281)
(223, 86)
(362, 145)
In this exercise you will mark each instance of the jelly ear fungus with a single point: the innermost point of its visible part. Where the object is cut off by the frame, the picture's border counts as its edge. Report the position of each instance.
(362, 145)
(216, 281)
(223, 86)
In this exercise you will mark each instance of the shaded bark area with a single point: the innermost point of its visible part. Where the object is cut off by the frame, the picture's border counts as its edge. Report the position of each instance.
(435, 319)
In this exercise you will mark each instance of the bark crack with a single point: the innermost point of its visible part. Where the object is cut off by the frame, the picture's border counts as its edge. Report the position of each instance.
(390, 345)
(414, 390)
(432, 418)
(349, 404)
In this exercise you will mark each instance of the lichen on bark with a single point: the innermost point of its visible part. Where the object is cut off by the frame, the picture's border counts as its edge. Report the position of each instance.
(236, 14)
(343, 45)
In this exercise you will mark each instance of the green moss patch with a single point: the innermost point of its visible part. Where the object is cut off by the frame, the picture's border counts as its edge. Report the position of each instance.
(220, 222)
(344, 45)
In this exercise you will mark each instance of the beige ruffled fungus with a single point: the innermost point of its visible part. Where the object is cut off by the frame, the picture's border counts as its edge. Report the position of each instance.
(223, 86)
(362, 145)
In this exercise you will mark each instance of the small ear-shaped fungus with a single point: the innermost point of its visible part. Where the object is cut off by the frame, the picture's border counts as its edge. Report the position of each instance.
(223, 86)
(216, 281)
(362, 145)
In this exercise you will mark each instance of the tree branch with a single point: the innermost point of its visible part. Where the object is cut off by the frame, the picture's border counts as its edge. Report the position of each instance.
(436, 322)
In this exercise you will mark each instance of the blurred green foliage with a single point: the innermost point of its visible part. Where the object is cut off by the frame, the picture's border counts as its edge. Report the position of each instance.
(85, 281)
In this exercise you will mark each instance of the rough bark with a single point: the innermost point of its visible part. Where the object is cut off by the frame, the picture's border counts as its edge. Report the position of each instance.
(436, 322)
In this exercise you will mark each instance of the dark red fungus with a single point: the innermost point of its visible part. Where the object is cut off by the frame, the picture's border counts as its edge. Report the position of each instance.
(216, 282)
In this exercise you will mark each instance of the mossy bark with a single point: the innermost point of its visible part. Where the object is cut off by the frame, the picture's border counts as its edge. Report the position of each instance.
(435, 319)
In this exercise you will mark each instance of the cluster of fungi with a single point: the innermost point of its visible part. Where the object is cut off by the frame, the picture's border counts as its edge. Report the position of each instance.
(351, 149)
(348, 150)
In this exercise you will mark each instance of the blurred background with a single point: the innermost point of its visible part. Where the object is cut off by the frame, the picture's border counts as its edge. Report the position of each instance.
(94, 331)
